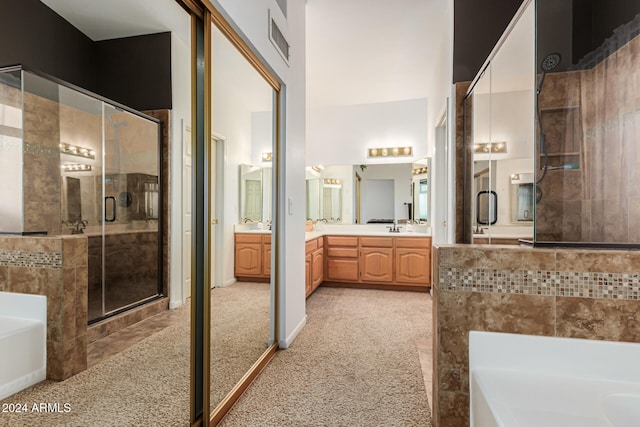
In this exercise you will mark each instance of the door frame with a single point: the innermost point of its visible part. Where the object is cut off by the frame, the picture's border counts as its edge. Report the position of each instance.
(440, 185)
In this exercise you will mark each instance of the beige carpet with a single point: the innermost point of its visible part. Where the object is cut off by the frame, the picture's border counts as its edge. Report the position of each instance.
(354, 364)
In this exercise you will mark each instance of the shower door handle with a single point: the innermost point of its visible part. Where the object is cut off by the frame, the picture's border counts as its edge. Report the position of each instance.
(113, 209)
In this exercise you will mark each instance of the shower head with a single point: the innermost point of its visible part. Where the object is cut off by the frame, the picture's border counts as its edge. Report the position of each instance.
(550, 62)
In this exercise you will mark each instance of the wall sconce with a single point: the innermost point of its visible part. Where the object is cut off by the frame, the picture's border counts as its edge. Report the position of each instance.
(76, 167)
(332, 183)
(267, 157)
(390, 152)
(318, 168)
(490, 147)
(420, 171)
(75, 150)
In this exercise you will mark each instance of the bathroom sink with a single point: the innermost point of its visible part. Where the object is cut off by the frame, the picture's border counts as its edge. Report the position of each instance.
(529, 381)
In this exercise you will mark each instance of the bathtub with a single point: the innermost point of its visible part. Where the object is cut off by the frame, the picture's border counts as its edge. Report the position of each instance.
(526, 381)
(23, 341)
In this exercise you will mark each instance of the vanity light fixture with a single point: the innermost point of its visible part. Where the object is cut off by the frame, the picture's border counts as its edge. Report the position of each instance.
(332, 181)
(267, 157)
(390, 152)
(75, 150)
(76, 167)
(419, 171)
(490, 147)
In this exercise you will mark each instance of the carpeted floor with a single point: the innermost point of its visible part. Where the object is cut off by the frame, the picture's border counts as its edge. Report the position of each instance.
(355, 363)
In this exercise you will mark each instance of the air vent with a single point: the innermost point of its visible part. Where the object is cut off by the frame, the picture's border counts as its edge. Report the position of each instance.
(278, 39)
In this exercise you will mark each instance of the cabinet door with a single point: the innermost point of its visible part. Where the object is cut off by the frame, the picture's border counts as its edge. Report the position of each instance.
(342, 270)
(376, 265)
(266, 260)
(248, 259)
(317, 268)
(413, 266)
(307, 284)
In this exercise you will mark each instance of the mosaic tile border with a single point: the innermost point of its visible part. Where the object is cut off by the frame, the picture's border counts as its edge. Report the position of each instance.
(543, 283)
(30, 259)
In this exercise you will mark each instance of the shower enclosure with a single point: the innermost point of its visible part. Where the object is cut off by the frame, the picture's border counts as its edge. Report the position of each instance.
(73, 162)
(565, 105)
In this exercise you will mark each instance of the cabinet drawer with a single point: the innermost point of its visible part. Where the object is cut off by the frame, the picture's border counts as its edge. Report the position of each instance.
(266, 238)
(342, 252)
(320, 241)
(342, 270)
(376, 242)
(248, 238)
(311, 246)
(413, 242)
(341, 240)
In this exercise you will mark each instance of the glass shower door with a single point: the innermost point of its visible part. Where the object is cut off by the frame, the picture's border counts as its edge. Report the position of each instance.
(131, 210)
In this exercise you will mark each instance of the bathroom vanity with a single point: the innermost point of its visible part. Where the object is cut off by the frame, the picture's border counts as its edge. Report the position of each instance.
(362, 256)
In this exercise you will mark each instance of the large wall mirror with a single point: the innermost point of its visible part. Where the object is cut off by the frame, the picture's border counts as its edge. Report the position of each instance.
(369, 194)
(501, 107)
(243, 120)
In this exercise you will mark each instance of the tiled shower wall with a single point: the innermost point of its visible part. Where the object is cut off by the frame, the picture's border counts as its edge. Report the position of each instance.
(552, 292)
(592, 117)
(57, 268)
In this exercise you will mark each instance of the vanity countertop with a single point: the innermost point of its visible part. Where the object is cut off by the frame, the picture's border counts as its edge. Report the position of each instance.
(256, 231)
(367, 230)
(347, 230)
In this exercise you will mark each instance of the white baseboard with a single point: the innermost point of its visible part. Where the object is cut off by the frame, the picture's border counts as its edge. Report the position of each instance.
(285, 343)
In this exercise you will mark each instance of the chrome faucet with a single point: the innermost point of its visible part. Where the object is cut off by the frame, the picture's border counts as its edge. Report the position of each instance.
(394, 228)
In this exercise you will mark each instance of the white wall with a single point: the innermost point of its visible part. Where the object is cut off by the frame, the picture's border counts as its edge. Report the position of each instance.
(341, 135)
(250, 18)
(508, 118)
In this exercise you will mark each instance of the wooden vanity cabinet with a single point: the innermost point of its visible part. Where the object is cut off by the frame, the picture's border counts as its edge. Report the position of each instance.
(266, 255)
(342, 264)
(376, 259)
(413, 261)
(252, 256)
(314, 265)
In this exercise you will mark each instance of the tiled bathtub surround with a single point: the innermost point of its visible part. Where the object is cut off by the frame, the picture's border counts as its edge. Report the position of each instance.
(55, 267)
(554, 292)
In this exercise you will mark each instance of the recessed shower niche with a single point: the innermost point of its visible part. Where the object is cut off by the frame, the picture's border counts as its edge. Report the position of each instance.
(74, 163)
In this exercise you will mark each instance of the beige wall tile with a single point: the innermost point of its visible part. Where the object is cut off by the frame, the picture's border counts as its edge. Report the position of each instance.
(599, 319)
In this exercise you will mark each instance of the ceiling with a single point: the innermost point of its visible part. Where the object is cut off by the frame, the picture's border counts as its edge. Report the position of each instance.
(368, 51)
(358, 51)
(110, 19)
